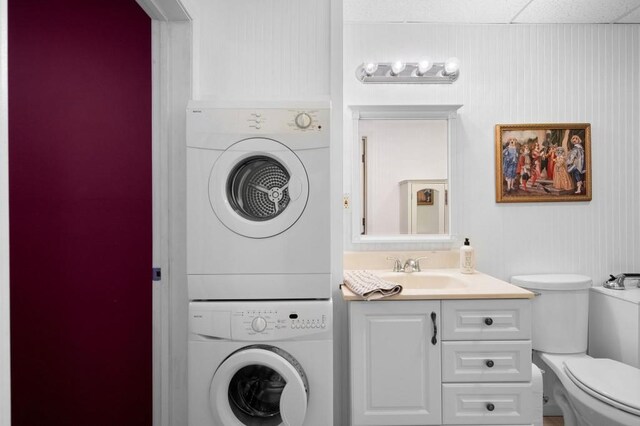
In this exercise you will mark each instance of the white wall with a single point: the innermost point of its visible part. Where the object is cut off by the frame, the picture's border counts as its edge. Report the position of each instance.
(5, 372)
(261, 49)
(524, 74)
(171, 55)
(340, 334)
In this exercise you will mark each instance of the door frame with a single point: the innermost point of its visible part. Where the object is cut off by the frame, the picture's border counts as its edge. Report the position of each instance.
(5, 365)
(171, 69)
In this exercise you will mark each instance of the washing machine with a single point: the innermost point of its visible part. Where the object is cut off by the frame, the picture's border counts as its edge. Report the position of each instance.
(258, 202)
(260, 363)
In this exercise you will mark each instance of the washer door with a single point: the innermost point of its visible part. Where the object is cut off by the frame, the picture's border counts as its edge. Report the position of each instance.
(259, 386)
(258, 188)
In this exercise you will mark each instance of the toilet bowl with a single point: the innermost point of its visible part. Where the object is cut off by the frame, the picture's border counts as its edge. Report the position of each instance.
(583, 397)
(589, 391)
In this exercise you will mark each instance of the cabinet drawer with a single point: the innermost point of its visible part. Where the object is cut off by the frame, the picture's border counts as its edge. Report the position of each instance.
(507, 319)
(487, 404)
(482, 361)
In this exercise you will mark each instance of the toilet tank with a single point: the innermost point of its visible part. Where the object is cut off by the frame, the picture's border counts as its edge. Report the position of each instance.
(560, 311)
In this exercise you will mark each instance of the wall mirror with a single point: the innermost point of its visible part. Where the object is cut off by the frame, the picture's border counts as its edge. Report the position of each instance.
(401, 185)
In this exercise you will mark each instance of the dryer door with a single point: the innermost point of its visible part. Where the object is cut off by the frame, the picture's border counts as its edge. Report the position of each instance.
(260, 386)
(258, 188)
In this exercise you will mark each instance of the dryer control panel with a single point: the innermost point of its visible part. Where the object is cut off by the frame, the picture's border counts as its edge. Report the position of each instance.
(260, 321)
(290, 120)
(298, 127)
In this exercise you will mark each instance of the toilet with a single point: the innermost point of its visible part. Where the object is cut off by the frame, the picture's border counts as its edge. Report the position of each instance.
(589, 391)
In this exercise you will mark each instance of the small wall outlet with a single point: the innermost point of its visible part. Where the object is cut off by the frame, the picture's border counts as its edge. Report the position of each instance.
(346, 201)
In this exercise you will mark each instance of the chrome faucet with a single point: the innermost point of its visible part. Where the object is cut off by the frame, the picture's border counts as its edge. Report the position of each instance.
(397, 265)
(411, 265)
(618, 282)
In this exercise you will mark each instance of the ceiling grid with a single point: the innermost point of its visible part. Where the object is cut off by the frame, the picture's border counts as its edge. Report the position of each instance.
(493, 11)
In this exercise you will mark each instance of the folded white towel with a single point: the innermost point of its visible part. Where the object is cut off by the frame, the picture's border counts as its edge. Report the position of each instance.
(370, 286)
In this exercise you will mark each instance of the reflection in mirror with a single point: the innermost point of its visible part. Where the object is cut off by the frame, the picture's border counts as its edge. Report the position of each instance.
(424, 207)
(404, 176)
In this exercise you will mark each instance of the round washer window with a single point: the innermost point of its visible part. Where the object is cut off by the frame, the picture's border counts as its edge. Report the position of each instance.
(259, 385)
(257, 188)
(254, 395)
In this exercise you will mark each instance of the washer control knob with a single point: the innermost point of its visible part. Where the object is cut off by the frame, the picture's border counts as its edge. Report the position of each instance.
(303, 120)
(258, 324)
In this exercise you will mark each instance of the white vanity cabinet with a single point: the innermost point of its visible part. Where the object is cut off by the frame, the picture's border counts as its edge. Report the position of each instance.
(478, 372)
(486, 368)
(395, 362)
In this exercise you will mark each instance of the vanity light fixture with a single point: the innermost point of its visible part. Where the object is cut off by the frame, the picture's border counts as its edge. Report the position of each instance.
(452, 66)
(422, 72)
(397, 67)
(370, 68)
(423, 66)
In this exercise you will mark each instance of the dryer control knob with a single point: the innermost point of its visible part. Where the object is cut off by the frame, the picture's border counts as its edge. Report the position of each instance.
(303, 120)
(258, 324)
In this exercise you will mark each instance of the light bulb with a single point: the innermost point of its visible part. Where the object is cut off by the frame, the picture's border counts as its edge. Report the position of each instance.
(452, 66)
(424, 66)
(370, 68)
(397, 67)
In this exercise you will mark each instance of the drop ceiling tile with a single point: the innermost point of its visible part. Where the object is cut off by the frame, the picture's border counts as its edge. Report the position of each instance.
(631, 18)
(445, 11)
(575, 11)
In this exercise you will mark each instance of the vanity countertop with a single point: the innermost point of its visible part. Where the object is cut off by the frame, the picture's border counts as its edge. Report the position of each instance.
(445, 284)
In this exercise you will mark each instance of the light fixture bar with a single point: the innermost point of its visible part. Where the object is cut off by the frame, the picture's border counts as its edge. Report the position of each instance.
(383, 73)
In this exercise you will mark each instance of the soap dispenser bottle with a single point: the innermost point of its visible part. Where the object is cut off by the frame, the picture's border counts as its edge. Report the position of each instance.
(467, 258)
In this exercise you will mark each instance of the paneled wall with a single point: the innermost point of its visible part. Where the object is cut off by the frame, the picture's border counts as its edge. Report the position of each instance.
(523, 74)
(261, 49)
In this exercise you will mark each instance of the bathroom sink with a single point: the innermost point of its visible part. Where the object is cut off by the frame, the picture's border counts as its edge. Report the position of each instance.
(423, 280)
(449, 283)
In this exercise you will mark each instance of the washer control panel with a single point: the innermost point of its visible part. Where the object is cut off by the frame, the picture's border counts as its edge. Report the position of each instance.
(272, 323)
(260, 321)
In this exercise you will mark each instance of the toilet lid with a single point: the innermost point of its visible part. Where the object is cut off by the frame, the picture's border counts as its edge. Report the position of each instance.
(610, 381)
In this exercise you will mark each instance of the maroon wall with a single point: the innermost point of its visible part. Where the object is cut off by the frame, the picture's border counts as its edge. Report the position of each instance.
(80, 212)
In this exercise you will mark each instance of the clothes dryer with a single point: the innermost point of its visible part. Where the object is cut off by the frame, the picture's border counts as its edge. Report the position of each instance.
(260, 363)
(258, 202)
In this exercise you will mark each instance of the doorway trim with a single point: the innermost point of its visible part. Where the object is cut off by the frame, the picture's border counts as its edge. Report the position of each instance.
(171, 56)
(5, 354)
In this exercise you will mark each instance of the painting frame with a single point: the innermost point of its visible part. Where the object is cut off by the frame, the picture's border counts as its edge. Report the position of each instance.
(425, 197)
(552, 162)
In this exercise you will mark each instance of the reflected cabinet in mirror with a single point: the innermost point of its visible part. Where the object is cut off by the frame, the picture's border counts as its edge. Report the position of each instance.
(401, 172)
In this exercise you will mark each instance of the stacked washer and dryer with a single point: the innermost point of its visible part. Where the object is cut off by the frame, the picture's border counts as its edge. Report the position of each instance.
(258, 265)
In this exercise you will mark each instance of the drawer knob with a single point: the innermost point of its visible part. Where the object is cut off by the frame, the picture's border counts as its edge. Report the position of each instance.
(490, 407)
(489, 363)
(488, 321)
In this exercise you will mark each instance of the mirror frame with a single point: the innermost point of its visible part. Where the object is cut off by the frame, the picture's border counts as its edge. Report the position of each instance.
(400, 112)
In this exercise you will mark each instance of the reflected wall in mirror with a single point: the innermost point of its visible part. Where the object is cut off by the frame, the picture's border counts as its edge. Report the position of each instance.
(401, 176)
(404, 176)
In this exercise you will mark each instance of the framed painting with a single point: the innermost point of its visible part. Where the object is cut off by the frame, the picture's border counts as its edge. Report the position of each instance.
(425, 197)
(543, 162)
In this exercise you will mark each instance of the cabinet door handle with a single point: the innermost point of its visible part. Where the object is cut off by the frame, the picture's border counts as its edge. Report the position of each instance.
(488, 321)
(489, 363)
(434, 339)
(490, 407)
